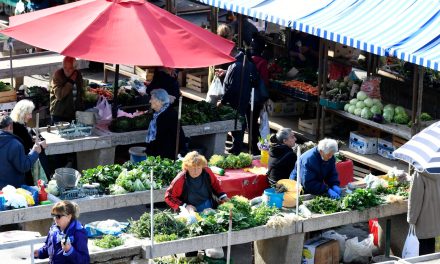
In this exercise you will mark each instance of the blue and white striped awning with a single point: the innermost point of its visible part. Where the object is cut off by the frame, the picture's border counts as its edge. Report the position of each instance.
(407, 29)
(422, 150)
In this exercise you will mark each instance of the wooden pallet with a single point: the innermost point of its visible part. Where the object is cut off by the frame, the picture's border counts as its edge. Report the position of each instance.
(398, 141)
(8, 96)
(309, 126)
(197, 81)
(360, 172)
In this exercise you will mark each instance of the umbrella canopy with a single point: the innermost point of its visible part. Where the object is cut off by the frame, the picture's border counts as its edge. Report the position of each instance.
(130, 32)
(422, 150)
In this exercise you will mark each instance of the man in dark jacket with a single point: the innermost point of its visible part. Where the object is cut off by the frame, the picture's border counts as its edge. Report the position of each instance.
(318, 169)
(14, 162)
(282, 158)
(235, 99)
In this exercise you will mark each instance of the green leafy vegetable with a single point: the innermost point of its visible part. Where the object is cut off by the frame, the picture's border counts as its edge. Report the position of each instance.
(109, 241)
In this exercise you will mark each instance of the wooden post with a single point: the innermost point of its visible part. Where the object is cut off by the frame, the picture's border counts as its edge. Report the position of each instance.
(414, 100)
(318, 108)
(420, 97)
(240, 30)
(213, 20)
(324, 86)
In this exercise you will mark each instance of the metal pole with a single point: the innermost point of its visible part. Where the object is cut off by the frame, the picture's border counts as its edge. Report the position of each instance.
(11, 47)
(388, 239)
(151, 213)
(240, 30)
(320, 77)
(250, 122)
(243, 69)
(179, 117)
(228, 252)
(324, 86)
(115, 93)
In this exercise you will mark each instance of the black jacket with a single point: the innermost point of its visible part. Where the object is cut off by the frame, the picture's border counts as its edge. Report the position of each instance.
(25, 134)
(282, 160)
(165, 143)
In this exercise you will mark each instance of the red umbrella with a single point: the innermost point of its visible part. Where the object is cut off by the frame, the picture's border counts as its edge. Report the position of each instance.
(130, 32)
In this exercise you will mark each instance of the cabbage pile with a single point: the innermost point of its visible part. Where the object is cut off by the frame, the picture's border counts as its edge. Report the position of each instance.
(364, 106)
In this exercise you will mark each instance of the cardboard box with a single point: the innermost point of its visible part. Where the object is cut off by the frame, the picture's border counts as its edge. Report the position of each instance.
(321, 251)
(285, 107)
(362, 144)
(385, 148)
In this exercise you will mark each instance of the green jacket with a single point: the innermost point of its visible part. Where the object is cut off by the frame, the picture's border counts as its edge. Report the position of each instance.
(61, 96)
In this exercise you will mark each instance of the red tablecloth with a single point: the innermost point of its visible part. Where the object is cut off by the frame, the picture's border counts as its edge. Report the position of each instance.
(247, 184)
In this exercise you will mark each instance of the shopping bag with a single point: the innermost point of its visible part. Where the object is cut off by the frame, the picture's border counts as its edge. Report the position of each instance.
(264, 123)
(104, 108)
(411, 247)
(38, 172)
(215, 91)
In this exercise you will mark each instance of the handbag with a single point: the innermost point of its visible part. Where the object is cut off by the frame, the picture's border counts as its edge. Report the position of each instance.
(411, 247)
(261, 94)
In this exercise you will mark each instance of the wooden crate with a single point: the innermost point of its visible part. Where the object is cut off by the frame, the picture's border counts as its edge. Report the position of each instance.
(360, 172)
(398, 141)
(309, 126)
(369, 131)
(8, 96)
(197, 81)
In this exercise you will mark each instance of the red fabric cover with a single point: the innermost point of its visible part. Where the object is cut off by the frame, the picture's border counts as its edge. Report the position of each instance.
(132, 32)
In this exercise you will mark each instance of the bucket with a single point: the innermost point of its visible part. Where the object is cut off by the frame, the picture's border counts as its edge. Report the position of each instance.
(137, 154)
(274, 198)
(264, 159)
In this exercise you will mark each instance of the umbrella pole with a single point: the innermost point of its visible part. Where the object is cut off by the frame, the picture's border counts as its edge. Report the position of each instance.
(179, 117)
(250, 125)
(228, 252)
(115, 93)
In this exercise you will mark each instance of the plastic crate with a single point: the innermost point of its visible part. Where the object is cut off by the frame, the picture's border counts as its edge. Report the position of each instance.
(332, 105)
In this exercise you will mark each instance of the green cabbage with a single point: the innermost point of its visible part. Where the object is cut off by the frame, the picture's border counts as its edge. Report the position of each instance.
(376, 110)
(401, 119)
(366, 113)
(360, 105)
(358, 111)
(388, 115)
(346, 106)
(351, 109)
(399, 110)
(389, 106)
(361, 95)
(368, 102)
(353, 101)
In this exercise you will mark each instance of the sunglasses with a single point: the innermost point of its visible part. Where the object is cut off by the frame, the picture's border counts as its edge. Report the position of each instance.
(57, 216)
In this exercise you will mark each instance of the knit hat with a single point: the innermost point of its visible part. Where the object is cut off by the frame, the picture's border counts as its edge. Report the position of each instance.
(5, 120)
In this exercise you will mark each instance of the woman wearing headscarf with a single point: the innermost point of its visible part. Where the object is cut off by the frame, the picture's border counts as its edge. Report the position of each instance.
(282, 158)
(162, 131)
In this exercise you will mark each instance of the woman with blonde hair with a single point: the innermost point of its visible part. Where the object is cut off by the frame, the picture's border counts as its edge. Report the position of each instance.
(195, 186)
(67, 238)
(21, 114)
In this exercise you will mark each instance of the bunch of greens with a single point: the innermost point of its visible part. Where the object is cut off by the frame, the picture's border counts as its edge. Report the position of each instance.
(361, 199)
(126, 124)
(204, 112)
(394, 187)
(231, 161)
(4, 87)
(166, 226)
(135, 180)
(104, 175)
(38, 95)
(109, 241)
(324, 205)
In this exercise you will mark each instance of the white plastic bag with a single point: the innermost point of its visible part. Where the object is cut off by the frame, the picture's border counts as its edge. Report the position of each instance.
(264, 123)
(188, 215)
(215, 91)
(359, 252)
(411, 247)
(332, 234)
(104, 108)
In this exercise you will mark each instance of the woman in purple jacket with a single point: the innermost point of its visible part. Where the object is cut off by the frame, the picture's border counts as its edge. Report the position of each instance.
(67, 238)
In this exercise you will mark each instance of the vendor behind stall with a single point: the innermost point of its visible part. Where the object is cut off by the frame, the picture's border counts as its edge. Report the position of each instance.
(66, 92)
(282, 158)
(162, 131)
(318, 169)
(166, 78)
(195, 187)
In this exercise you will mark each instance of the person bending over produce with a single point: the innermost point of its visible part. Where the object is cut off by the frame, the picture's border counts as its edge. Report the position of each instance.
(195, 186)
(318, 169)
(162, 131)
(282, 158)
(67, 238)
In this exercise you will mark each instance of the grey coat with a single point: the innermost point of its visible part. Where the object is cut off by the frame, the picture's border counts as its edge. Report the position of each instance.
(424, 205)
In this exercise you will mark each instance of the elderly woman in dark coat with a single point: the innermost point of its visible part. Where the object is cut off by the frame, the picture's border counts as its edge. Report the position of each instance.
(162, 131)
(282, 158)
